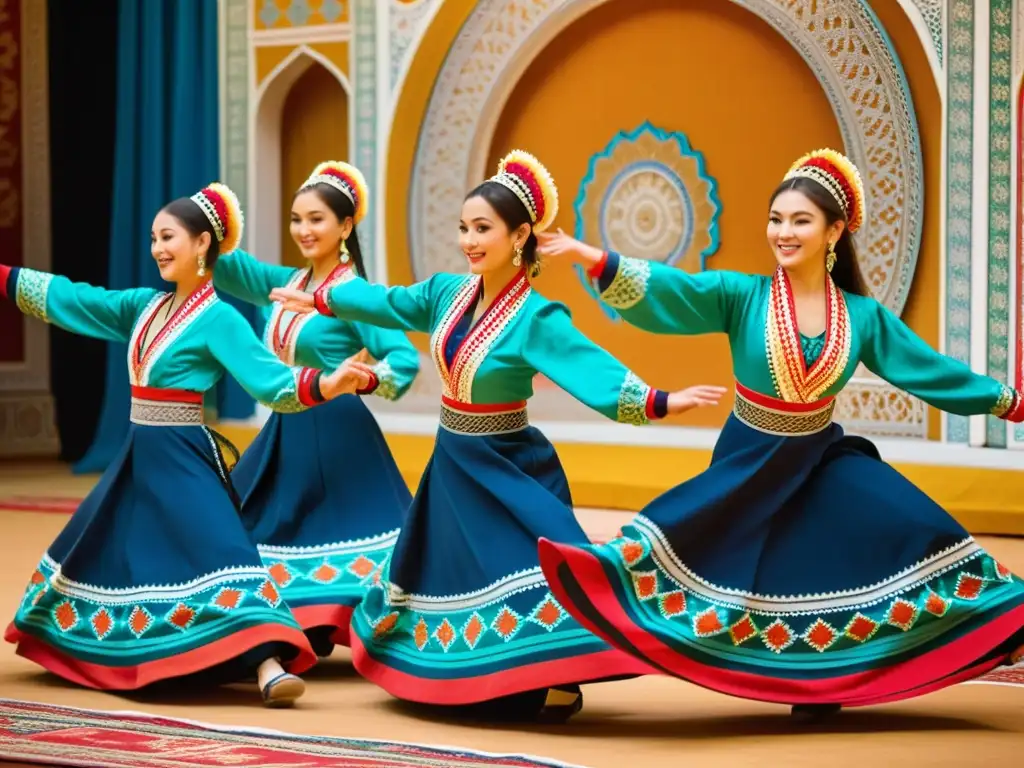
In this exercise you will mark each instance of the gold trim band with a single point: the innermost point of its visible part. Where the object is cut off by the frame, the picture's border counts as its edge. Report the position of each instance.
(157, 413)
(502, 423)
(778, 422)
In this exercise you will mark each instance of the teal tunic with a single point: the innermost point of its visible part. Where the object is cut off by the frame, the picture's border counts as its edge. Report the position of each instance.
(207, 338)
(154, 575)
(798, 568)
(662, 299)
(321, 493)
(464, 614)
(526, 336)
(310, 339)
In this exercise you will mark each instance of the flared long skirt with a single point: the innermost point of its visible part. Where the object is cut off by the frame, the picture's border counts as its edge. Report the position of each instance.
(796, 570)
(154, 576)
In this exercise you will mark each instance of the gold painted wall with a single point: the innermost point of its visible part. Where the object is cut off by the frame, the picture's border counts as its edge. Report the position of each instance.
(314, 128)
(623, 44)
(750, 112)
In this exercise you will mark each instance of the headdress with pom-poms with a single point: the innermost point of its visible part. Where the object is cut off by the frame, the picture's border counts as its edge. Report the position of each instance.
(530, 181)
(834, 171)
(345, 178)
(220, 205)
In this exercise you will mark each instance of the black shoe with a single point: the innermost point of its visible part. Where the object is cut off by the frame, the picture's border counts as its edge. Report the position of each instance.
(814, 713)
(561, 703)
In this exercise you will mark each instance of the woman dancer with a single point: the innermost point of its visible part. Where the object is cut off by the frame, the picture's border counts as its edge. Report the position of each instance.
(465, 616)
(154, 576)
(321, 494)
(799, 568)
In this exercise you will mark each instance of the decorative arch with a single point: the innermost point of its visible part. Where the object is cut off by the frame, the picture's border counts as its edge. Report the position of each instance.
(265, 145)
(854, 61)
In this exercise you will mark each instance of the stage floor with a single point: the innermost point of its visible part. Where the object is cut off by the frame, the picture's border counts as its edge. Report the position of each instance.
(648, 721)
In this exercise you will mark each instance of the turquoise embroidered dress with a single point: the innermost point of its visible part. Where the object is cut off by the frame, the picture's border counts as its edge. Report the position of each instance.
(154, 576)
(464, 614)
(321, 494)
(798, 568)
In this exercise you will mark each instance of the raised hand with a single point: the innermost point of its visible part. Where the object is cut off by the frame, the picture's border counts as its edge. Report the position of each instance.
(347, 379)
(560, 245)
(294, 300)
(694, 397)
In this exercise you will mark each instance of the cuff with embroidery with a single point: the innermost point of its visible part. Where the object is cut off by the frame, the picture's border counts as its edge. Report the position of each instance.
(8, 282)
(1010, 405)
(370, 388)
(657, 404)
(309, 393)
(321, 299)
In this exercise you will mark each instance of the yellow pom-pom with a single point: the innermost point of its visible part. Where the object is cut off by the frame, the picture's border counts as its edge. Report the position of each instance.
(233, 223)
(532, 171)
(346, 178)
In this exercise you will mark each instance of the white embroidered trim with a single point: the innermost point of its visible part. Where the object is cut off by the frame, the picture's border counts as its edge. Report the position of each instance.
(149, 592)
(338, 548)
(522, 581)
(824, 602)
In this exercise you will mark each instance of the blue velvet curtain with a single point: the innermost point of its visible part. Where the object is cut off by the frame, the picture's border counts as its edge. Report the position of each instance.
(167, 146)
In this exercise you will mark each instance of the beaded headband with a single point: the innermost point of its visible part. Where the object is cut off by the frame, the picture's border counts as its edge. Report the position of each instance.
(530, 181)
(840, 177)
(345, 178)
(220, 206)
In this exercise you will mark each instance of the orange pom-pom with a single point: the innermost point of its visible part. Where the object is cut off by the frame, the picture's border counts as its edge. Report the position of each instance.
(224, 213)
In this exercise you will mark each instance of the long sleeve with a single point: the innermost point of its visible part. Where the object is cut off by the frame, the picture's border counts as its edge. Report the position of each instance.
(399, 307)
(902, 358)
(398, 362)
(76, 307)
(247, 278)
(557, 349)
(268, 380)
(662, 299)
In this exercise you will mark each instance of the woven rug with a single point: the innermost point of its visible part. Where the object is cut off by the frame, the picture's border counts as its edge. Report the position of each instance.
(60, 504)
(1003, 676)
(50, 735)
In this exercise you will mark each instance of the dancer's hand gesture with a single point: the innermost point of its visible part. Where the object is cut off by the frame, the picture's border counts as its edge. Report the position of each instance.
(294, 300)
(347, 379)
(560, 245)
(694, 397)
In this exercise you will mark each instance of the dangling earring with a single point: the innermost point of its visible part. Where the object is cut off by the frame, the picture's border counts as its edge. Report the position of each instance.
(202, 265)
(830, 257)
(344, 252)
(517, 260)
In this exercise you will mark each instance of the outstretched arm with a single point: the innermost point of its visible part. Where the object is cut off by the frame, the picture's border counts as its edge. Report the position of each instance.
(398, 362)
(557, 349)
(278, 386)
(76, 307)
(652, 296)
(902, 358)
(247, 278)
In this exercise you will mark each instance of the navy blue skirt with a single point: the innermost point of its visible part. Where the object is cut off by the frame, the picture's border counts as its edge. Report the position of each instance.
(464, 614)
(154, 576)
(796, 569)
(323, 499)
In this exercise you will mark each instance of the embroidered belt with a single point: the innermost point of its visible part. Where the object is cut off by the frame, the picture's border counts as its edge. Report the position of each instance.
(778, 417)
(154, 407)
(476, 419)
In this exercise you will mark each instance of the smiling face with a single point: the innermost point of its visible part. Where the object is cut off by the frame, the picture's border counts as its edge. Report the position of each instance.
(485, 238)
(798, 230)
(315, 228)
(175, 250)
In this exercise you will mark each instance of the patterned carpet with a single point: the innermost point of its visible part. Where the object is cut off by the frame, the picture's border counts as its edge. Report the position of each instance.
(51, 735)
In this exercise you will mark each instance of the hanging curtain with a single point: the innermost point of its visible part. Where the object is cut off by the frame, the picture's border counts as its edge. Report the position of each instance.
(166, 146)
